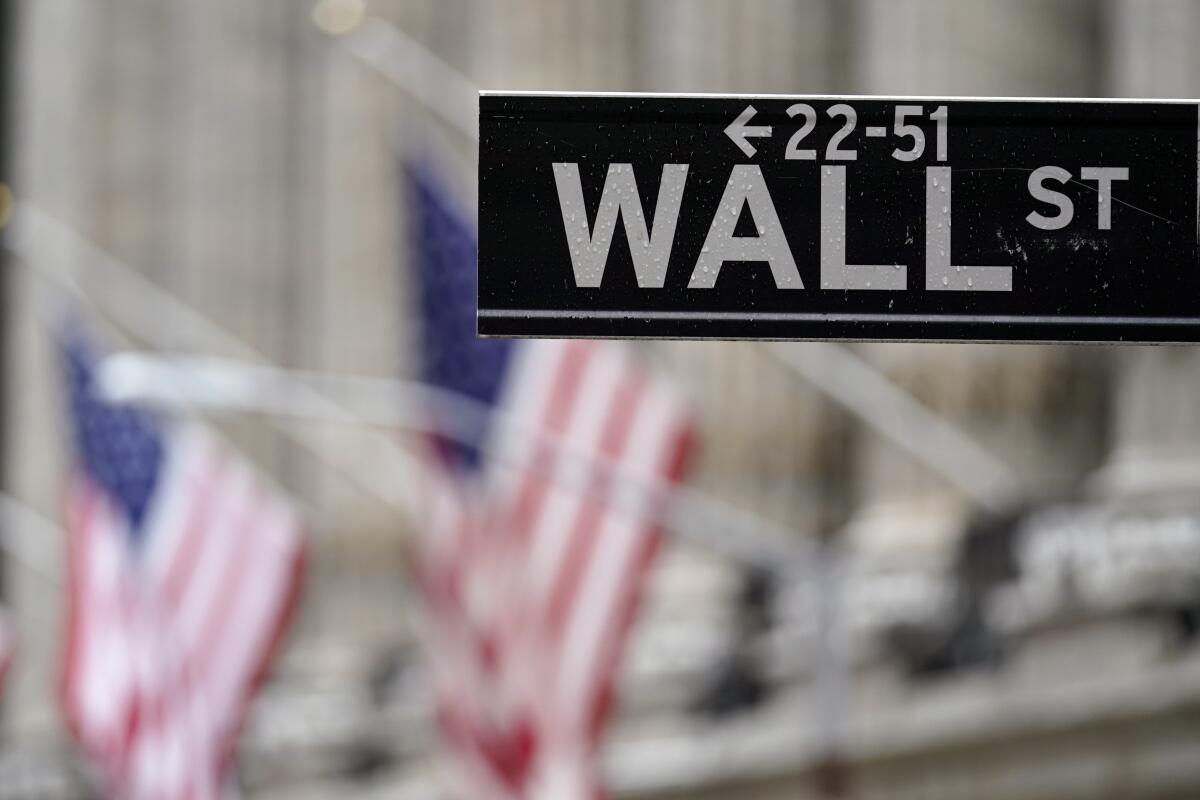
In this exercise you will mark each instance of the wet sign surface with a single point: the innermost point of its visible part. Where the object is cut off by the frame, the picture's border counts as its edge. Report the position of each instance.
(838, 218)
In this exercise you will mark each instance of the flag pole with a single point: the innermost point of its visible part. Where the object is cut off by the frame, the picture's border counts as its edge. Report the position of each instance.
(398, 57)
(49, 246)
(52, 249)
(222, 385)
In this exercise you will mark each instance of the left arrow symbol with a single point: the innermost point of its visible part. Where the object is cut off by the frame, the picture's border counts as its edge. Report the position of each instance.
(738, 131)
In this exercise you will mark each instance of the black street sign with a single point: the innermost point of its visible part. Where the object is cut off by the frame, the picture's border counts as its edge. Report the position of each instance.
(838, 218)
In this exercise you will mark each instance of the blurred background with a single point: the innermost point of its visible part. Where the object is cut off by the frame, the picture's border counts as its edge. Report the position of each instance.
(244, 156)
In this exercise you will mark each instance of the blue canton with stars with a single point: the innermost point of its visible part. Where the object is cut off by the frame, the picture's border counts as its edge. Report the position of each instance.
(119, 446)
(452, 357)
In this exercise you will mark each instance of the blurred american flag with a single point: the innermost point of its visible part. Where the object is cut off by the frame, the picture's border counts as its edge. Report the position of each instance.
(184, 568)
(531, 583)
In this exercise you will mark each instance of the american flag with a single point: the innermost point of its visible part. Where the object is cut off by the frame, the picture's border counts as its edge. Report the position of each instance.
(183, 570)
(532, 584)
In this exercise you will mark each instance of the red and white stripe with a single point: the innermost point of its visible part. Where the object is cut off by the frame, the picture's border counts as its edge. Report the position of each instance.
(550, 563)
(167, 642)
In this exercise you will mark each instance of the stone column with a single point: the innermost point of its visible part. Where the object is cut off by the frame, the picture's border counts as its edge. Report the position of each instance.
(59, 55)
(957, 47)
(1156, 419)
(712, 46)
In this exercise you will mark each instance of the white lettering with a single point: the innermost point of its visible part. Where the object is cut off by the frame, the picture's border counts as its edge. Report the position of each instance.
(940, 273)
(1105, 176)
(589, 248)
(1038, 190)
(835, 272)
(746, 187)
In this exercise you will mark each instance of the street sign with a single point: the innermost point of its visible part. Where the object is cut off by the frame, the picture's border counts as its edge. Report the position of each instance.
(838, 218)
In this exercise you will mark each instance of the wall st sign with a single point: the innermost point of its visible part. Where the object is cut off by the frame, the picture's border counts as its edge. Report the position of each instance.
(838, 218)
